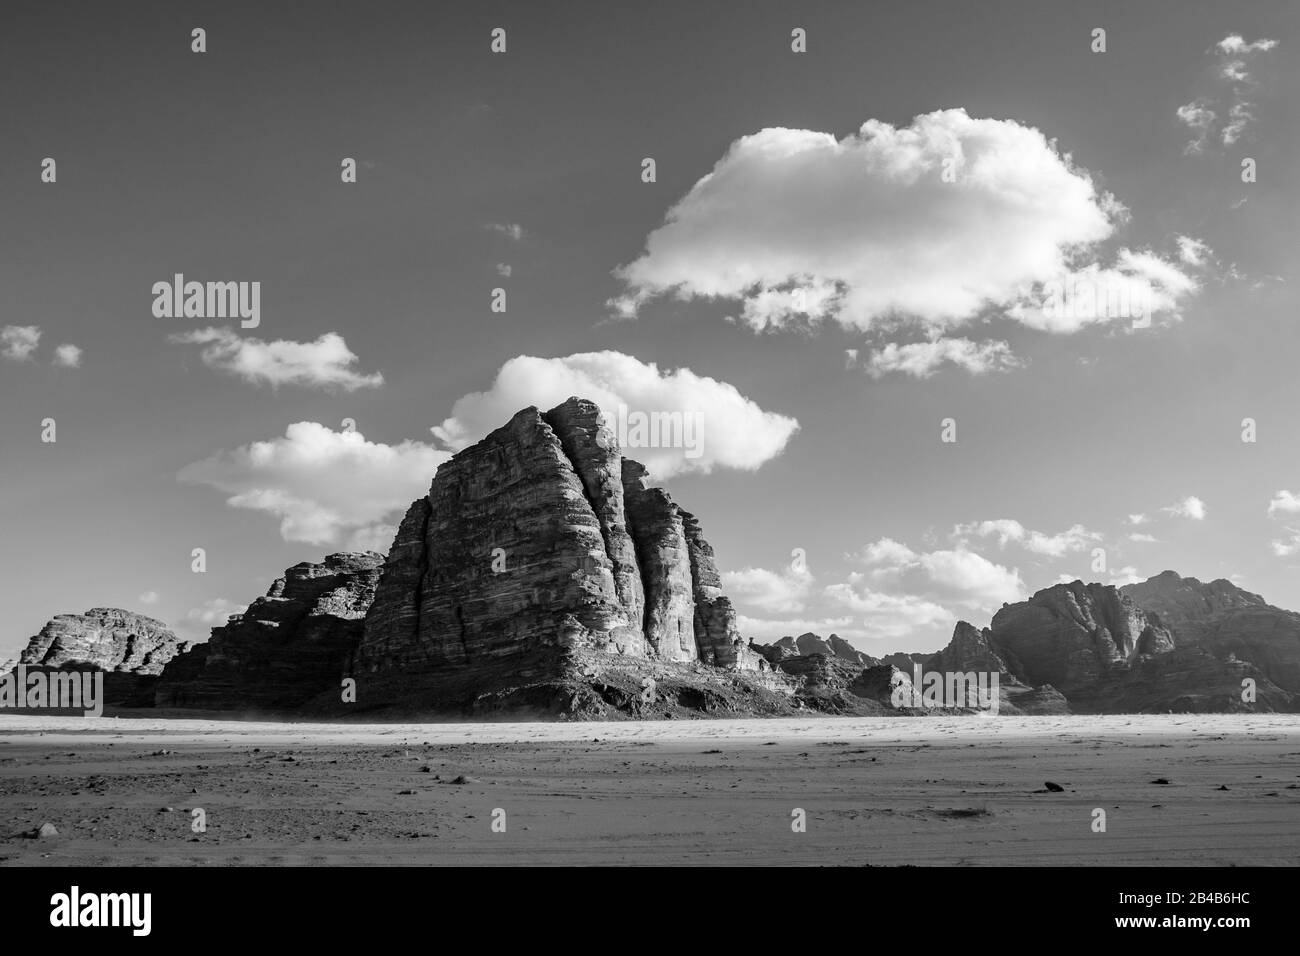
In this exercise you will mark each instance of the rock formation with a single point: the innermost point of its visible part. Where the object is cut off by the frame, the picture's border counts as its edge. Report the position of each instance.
(1104, 650)
(536, 544)
(1226, 621)
(106, 639)
(1068, 634)
(129, 648)
(809, 643)
(286, 649)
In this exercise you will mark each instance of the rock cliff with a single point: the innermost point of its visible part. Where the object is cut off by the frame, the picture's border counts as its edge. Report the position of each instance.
(104, 638)
(130, 648)
(1226, 620)
(537, 543)
(288, 648)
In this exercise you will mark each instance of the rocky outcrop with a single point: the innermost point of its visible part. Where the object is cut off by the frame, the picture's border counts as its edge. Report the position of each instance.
(1225, 620)
(904, 662)
(131, 649)
(1092, 649)
(969, 650)
(717, 635)
(106, 639)
(287, 648)
(665, 561)
(1069, 634)
(536, 544)
(809, 643)
(595, 456)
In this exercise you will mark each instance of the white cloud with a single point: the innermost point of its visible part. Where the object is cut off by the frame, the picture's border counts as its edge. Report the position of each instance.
(504, 270)
(1284, 503)
(199, 621)
(148, 597)
(324, 363)
(886, 552)
(1193, 252)
(768, 629)
(1233, 70)
(325, 486)
(802, 227)
(1138, 519)
(952, 576)
(923, 359)
(1236, 45)
(1138, 538)
(1126, 575)
(68, 356)
(510, 229)
(1198, 117)
(1190, 507)
(1286, 547)
(772, 592)
(1074, 538)
(734, 431)
(18, 342)
(375, 537)
(891, 616)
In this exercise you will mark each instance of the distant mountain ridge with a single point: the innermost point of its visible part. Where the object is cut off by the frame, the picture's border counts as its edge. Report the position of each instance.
(1168, 643)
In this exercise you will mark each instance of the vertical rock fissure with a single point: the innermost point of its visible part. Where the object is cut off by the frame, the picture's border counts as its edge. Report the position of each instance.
(460, 627)
(423, 566)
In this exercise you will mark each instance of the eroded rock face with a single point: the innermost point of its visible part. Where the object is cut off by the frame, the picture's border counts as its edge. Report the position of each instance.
(536, 543)
(809, 643)
(1226, 620)
(665, 562)
(593, 450)
(1097, 651)
(287, 648)
(969, 650)
(1067, 635)
(104, 638)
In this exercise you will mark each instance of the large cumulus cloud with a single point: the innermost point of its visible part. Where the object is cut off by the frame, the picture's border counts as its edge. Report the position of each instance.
(931, 224)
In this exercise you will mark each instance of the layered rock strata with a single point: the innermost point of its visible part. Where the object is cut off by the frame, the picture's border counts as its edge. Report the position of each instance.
(539, 541)
(287, 649)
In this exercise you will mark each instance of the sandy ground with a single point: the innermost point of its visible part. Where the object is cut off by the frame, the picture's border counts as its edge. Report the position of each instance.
(879, 791)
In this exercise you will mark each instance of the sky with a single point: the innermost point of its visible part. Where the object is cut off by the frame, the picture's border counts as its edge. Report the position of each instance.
(845, 255)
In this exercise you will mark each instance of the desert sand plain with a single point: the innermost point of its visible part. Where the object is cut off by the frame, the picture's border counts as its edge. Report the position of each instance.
(939, 790)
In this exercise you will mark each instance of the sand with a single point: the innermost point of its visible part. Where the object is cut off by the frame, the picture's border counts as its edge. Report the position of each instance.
(878, 791)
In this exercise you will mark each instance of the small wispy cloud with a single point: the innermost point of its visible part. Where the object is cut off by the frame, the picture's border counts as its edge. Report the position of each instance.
(1234, 57)
(325, 363)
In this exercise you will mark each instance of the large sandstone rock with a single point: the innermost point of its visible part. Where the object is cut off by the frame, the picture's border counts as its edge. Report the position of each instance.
(537, 544)
(1226, 620)
(717, 635)
(1069, 634)
(969, 650)
(287, 648)
(665, 561)
(129, 648)
(1097, 650)
(104, 638)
